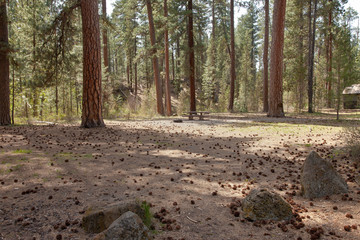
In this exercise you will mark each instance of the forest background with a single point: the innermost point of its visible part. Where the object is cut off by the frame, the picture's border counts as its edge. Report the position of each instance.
(46, 65)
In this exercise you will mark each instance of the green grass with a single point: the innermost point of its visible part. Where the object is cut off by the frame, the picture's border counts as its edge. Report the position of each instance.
(147, 214)
(22, 151)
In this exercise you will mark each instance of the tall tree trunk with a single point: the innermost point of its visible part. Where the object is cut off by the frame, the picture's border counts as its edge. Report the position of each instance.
(338, 92)
(300, 50)
(159, 103)
(312, 31)
(213, 52)
(266, 59)
(92, 108)
(276, 108)
(191, 56)
(167, 65)
(4, 67)
(232, 58)
(135, 71)
(329, 57)
(33, 87)
(105, 38)
(106, 84)
(13, 97)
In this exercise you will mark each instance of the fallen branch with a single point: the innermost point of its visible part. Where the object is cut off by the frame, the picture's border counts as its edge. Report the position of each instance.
(192, 220)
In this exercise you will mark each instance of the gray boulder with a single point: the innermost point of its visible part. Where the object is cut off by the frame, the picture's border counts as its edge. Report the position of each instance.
(320, 179)
(98, 219)
(261, 204)
(128, 226)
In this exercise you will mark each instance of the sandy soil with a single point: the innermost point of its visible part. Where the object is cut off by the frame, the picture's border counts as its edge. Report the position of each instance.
(49, 175)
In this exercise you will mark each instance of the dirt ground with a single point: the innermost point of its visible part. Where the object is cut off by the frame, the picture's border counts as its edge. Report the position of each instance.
(50, 174)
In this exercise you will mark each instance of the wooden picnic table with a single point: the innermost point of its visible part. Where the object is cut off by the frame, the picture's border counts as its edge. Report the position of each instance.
(200, 114)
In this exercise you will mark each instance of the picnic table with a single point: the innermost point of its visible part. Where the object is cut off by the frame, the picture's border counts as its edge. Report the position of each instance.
(200, 114)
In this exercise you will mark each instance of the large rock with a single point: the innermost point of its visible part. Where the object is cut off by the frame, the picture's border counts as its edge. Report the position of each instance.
(98, 219)
(320, 179)
(261, 204)
(128, 226)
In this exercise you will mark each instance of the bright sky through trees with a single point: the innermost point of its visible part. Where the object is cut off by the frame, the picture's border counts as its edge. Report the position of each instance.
(352, 3)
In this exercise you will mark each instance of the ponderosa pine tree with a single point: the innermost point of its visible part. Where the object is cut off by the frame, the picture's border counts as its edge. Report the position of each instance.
(4, 67)
(167, 64)
(312, 30)
(191, 56)
(266, 58)
(276, 108)
(159, 103)
(92, 106)
(232, 57)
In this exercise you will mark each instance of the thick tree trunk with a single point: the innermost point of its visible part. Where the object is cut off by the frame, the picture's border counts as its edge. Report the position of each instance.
(276, 108)
(167, 65)
(92, 108)
(266, 59)
(4, 67)
(159, 103)
(232, 58)
(191, 56)
(311, 56)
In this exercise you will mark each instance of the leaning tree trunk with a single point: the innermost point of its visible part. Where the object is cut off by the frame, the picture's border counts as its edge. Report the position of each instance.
(232, 58)
(191, 57)
(158, 87)
(266, 59)
(4, 67)
(276, 108)
(92, 108)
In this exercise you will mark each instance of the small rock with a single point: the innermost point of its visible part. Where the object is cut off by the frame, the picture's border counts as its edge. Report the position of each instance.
(262, 204)
(98, 219)
(320, 179)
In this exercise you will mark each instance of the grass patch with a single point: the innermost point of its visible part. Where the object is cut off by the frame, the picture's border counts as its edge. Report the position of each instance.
(147, 214)
(22, 151)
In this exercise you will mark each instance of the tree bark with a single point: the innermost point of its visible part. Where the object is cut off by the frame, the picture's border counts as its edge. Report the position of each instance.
(4, 67)
(191, 56)
(92, 106)
(312, 32)
(276, 108)
(232, 58)
(266, 59)
(167, 64)
(329, 58)
(158, 87)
